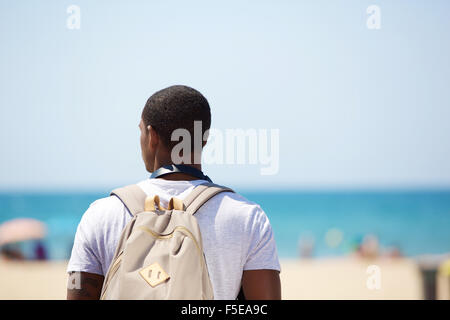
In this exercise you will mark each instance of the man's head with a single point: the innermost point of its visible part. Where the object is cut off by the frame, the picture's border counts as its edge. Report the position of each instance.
(175, 107)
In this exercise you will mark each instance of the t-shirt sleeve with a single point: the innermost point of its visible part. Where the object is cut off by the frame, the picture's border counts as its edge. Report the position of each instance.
(85, 255)
(262, 252)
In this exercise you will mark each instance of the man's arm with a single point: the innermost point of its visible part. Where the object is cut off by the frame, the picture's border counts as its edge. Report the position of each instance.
(261, 284)
(87, 287)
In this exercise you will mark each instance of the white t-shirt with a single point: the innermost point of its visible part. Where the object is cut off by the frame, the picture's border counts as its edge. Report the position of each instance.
(236, 234)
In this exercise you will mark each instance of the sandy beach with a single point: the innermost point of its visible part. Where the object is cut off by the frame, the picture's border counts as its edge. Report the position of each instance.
(346, 278)
(33, 280)
(336, 278)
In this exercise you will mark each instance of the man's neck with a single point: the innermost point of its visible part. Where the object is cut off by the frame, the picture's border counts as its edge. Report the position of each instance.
(176, 176)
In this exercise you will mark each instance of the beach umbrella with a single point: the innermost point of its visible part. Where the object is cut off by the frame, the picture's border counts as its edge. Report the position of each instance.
(21, 229)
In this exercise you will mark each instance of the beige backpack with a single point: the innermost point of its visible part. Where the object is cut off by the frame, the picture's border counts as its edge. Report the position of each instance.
(160, 252)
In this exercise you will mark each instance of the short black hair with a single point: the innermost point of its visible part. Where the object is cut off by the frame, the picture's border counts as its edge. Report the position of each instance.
(176, 107)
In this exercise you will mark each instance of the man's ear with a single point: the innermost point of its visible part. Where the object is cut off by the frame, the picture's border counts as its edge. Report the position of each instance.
(154, 138)
(205, 138)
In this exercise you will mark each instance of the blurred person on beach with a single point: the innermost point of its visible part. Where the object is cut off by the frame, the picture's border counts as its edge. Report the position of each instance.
(392, 251)
(369, 247)
(239, 245)
(11, 251)
(306, 246)
(40, 253)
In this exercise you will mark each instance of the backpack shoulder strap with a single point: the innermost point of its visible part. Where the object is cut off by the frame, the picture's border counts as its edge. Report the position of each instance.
(132, 196)
(201, 194)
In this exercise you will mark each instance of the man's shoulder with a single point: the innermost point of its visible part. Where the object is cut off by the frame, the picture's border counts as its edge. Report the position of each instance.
(111, 203)
(104, 209)
(235, 206)
(237, 199)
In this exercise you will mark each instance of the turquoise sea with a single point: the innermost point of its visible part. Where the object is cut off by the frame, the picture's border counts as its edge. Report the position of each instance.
(417, 222)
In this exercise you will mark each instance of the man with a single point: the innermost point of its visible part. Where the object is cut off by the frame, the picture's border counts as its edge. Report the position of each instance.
(238, 242)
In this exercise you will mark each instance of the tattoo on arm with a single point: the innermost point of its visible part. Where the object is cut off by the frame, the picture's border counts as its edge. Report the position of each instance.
(84, 286)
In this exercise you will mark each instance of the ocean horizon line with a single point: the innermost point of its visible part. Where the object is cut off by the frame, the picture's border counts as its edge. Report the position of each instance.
(245, 189)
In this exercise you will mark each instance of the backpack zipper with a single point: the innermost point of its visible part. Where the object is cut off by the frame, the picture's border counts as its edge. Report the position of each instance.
(184, 230)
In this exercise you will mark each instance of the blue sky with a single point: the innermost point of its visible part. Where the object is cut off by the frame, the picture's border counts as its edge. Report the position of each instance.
(356, 108)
